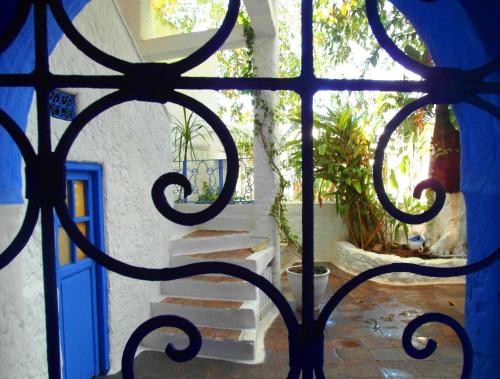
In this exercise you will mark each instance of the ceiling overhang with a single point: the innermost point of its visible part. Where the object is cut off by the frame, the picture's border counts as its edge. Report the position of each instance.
(261, 14)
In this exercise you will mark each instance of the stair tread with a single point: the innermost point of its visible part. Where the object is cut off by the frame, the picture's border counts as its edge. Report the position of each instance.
(212, 233)
(210, 333)
(219, 304)
(216, 279)
(236, 254)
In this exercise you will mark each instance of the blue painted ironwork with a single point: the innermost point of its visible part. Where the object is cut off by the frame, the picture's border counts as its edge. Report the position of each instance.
(62, 105)
(155, 82)
(207, 177)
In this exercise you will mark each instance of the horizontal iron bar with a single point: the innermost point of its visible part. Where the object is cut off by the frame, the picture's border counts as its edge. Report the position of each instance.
(166, 83)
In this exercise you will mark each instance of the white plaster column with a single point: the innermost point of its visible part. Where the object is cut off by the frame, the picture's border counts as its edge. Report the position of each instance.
(266, 182)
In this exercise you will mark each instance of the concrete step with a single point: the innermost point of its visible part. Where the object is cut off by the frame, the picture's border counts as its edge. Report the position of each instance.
(244, 257)
(210, 287)
(205, 243)
(203, 233)
(210, 313)
(217, 343)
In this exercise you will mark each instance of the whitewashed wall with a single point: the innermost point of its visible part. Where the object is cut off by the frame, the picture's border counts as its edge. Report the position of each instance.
(132, 142)
(328, 228)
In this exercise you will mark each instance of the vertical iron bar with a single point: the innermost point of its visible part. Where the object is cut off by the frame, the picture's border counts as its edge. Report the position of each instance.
(44, 151)
(307, 193)
(307, 221)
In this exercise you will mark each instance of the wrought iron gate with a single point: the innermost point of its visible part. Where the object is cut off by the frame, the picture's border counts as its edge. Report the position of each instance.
(151, 82)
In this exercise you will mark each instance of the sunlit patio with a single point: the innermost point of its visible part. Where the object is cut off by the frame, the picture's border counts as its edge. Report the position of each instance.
(363, 339)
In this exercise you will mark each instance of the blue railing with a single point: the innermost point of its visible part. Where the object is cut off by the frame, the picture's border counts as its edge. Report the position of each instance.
(207, 177)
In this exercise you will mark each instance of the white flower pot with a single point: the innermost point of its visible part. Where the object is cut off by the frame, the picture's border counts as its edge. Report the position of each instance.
(295, 282)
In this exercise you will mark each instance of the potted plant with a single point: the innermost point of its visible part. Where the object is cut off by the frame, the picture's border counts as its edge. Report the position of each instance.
(185, 131)
(341, 156)
(294, 276)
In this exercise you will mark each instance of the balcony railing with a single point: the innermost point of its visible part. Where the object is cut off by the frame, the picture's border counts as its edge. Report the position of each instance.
(207, 177)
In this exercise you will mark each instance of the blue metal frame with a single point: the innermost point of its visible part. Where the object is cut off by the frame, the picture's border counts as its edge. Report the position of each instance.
(160, 82)
(215, 171)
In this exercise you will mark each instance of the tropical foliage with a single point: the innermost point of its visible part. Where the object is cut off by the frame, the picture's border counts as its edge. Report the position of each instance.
(342, 155)
(344, 46)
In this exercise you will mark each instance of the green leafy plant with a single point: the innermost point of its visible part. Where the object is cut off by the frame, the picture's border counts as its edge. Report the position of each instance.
(208, 194)
(186, 131)
(342, 167)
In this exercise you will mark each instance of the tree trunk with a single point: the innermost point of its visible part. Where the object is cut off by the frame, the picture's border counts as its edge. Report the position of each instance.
(445, 151)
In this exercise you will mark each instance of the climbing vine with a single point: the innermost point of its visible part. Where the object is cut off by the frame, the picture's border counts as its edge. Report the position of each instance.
(265, 115)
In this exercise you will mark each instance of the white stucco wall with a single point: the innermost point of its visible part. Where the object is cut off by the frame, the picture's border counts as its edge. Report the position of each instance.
(354, 261)
(132, 142)
(328, 228)
(448, 227)
(22, 329)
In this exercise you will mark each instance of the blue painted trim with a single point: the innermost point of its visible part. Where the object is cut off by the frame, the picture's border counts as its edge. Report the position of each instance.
(221, 174)
(184, 172)
(96, 175)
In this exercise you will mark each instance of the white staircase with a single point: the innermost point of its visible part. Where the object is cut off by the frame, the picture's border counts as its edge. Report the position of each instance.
(228, 311)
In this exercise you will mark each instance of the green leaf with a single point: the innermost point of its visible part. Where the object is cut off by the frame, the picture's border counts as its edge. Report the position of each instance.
(357, 185)
(322, 149)
(413, 52)
(404, 164)
(393, 179)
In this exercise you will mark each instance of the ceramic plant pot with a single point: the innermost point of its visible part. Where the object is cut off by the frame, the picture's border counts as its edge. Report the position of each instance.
(294, 276)
(416, 242)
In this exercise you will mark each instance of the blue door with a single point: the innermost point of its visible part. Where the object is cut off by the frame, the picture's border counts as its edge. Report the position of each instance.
(82, 283)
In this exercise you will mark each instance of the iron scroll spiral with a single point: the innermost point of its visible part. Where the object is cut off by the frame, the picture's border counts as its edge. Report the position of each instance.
(431, 345)
(453, 87)
(438, 189)
(190, 352)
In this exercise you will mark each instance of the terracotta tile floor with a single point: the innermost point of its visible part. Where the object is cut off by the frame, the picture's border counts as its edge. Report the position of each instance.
(211, 233)
(216, 279)
(237, 254)
(363, 339)
(203, 303)
(213, 333)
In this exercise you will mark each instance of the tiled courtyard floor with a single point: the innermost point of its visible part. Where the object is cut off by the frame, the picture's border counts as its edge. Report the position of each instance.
(363, 339)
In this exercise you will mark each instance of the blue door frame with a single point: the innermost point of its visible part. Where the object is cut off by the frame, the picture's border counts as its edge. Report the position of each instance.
(92, 175)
